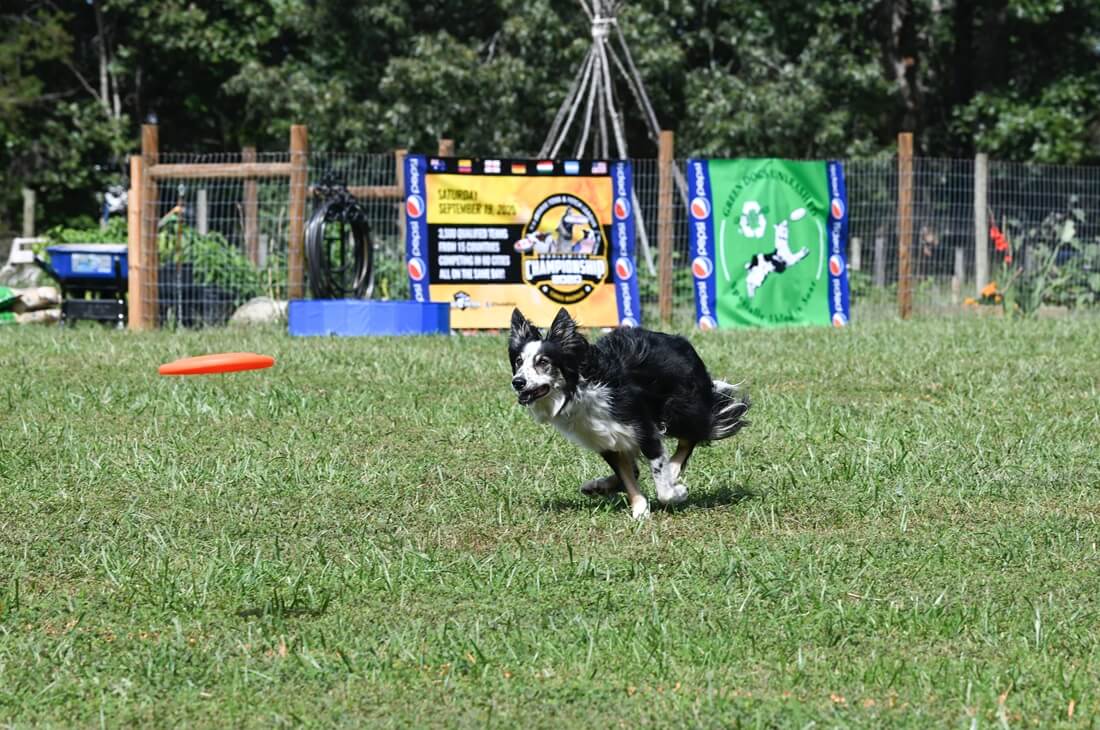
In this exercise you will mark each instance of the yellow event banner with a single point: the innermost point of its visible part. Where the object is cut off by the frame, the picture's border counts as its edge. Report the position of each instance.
(490, 235)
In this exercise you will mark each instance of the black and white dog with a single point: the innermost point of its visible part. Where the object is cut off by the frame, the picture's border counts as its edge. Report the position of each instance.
(620, 397)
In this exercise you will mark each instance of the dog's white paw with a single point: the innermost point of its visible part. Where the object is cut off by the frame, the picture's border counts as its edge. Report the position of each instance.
(675, 494)
(639, 508)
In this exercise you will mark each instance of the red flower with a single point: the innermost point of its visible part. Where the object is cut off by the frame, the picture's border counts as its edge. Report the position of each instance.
(1000, 243)
(1008, 258)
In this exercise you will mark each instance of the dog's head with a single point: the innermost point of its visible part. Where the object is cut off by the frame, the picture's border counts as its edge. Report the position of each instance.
(549, 365)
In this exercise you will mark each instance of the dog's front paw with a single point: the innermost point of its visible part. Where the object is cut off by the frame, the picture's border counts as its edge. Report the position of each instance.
(639, 508)
(675, 494)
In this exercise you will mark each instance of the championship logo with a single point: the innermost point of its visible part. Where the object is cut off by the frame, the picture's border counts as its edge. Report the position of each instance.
(562, 249)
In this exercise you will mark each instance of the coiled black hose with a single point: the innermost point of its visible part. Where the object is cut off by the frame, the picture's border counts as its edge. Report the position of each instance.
(339, 252)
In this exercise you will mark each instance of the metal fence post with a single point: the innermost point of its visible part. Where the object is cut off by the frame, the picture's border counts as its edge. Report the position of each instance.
(981, 221)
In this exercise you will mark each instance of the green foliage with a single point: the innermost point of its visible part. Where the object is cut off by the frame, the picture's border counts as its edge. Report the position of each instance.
(216, 261)
(90, 232)
(788, 79)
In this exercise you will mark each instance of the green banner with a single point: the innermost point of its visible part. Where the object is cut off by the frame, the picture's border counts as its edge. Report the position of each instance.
(770, 239)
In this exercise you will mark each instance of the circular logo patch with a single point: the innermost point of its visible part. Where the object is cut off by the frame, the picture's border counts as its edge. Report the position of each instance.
(702, 267)
(700, 208)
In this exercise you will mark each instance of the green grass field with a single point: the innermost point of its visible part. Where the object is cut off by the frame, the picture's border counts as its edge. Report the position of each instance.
(374, 533)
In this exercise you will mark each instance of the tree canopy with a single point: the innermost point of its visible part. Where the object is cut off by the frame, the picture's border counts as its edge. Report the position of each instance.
(1018, 79)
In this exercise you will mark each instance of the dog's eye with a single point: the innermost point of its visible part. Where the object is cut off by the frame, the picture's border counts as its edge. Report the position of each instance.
(542, 362)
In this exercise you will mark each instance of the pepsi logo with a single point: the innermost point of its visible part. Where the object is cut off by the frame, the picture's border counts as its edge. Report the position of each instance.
(837, 208)
(700, 208)
(417, 269)
(836, 266)
(628, 322)
(706, 322)
(702, 267)
(622, 208)
(839, 320)
(414, 206)
(624, 269)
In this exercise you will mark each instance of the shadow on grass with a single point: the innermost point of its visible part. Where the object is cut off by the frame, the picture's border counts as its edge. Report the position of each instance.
(696, 499)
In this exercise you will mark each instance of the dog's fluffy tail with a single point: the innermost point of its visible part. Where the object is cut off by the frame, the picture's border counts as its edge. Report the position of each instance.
(728, 411)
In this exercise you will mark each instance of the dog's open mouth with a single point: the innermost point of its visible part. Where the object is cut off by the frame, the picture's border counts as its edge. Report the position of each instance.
(527, 397)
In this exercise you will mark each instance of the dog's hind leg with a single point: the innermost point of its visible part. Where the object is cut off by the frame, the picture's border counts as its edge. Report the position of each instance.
(679, 460)
(669, 490)
(624, 467)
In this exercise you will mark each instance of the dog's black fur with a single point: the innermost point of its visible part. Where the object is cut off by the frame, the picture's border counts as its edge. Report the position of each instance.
(638, 385)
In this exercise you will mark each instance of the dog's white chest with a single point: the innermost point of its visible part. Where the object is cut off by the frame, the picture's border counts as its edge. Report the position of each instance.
(588, 422)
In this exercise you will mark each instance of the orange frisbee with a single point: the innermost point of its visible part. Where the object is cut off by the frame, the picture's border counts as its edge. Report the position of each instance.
(224, 362)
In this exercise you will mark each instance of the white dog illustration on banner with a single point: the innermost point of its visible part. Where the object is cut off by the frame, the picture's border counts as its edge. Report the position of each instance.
(778, 260)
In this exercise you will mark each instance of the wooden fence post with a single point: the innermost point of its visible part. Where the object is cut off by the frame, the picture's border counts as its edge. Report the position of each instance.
(299, 173)
(446, 148)
(905, 223)
(665, 150)
(28, 213)
(981, 222)
(135, 274)
(148, 226)
(251, 211)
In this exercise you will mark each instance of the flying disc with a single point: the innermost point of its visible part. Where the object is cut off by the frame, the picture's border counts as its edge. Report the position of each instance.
(223, 362)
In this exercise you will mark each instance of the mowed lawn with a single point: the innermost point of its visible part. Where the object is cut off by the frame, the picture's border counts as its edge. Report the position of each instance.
(374, 533)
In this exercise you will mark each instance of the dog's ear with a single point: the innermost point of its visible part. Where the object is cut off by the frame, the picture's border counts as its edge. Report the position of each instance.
(522, 330)
(564, 332)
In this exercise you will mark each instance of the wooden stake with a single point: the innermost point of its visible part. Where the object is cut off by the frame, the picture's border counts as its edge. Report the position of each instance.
(135, 274)
(665, 155)
(148, 226)
(905, 223)
(299, 174)
(251, 211)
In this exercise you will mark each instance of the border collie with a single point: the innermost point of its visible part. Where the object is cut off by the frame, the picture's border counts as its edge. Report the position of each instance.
(620, 397)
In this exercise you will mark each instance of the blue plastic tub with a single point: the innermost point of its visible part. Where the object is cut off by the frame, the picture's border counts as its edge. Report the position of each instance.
(88, 260)
(362, 318)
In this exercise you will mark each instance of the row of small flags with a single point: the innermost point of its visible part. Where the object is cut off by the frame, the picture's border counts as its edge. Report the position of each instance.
(495, 167)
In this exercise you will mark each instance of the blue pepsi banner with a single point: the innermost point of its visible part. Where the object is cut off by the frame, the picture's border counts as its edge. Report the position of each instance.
(768, 243)
(488, 235)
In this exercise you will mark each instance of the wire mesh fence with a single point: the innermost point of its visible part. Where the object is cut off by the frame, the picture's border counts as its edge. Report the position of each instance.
(221, 242)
